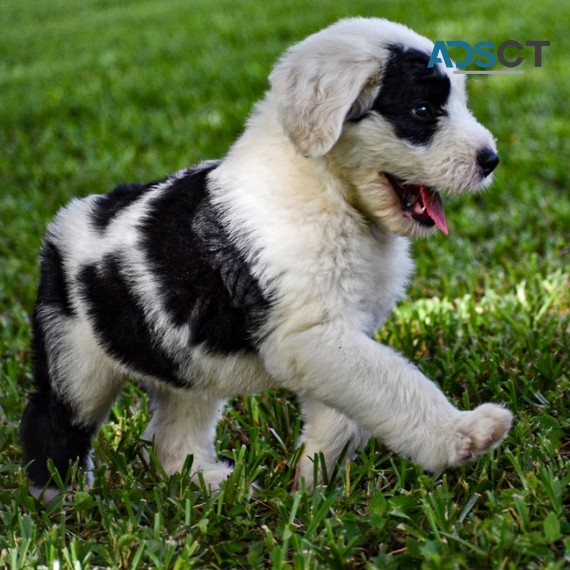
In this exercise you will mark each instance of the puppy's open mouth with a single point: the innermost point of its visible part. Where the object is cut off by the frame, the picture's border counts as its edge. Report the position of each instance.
(420, 203)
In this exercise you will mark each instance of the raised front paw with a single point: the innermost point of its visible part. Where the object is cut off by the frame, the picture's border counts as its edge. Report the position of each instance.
(477, 432)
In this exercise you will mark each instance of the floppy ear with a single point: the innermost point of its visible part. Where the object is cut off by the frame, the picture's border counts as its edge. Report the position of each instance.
(318, 84)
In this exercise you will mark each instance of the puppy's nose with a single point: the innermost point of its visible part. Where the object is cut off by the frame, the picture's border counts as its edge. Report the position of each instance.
(488, 160)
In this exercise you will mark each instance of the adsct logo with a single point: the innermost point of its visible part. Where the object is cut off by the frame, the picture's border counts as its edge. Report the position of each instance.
(487, 55)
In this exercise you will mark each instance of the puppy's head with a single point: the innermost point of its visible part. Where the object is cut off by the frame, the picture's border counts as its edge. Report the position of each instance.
(360, 95)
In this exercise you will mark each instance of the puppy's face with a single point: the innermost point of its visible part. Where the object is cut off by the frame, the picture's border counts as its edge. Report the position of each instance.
(405, 131)
(416, 139)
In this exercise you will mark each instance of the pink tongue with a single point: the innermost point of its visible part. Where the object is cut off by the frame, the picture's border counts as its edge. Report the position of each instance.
(434, 208)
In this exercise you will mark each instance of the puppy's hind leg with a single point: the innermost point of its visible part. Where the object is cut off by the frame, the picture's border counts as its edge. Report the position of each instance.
(74, 391)
(329, 432)
(184, 423)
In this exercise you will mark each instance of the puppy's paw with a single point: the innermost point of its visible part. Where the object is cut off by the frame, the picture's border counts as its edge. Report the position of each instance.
(306, 472)
(213, 476)
(478, 431)
(45, 495)
(49, 492)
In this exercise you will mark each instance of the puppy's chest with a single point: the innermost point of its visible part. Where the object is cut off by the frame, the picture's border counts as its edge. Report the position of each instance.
(380, 280)
(353, 277)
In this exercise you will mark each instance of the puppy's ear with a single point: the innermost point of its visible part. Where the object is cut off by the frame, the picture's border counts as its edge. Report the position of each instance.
(317, 85)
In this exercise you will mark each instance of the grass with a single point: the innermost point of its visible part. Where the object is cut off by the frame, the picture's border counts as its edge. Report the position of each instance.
(97, 92)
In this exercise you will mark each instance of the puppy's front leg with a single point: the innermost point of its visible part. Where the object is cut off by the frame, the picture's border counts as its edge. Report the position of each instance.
(326, 431)
(385, 394)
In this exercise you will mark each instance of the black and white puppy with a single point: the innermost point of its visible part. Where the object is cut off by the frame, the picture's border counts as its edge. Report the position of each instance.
(270, 268)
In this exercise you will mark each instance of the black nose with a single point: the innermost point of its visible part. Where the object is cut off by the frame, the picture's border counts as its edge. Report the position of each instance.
(488, 160)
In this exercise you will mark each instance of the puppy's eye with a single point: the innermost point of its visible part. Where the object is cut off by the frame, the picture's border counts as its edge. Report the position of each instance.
(422, 111)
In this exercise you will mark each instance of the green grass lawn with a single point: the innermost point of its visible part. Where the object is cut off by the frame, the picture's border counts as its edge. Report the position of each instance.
(100, 92)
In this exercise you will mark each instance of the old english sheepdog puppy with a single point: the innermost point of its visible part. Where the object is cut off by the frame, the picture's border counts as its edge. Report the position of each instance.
(270, 268)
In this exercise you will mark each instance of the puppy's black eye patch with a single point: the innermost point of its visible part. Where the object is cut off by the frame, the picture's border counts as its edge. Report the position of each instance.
(412, 96)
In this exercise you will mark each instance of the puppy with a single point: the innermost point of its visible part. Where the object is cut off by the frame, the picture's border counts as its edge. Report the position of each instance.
(271, 268)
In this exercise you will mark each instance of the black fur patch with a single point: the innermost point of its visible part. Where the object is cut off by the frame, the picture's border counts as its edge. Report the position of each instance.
(204, 279)
(53, 288)
(119, 321)
(107, 206)
(408, 83)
